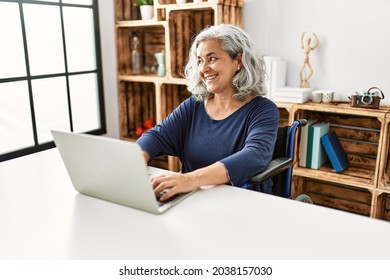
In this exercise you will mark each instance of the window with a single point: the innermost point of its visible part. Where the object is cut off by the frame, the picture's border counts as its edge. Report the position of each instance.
(50, 73)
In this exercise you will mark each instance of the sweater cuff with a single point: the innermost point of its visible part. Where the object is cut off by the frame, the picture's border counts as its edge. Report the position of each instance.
(227, 172)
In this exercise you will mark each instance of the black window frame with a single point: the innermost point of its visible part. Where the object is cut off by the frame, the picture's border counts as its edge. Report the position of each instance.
(98, 71)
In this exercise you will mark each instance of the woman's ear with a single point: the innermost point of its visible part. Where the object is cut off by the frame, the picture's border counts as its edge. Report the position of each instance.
(239, 60)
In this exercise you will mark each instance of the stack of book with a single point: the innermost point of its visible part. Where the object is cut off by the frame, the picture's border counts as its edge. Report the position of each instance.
(292, 94)
(311, 152)
(275, 68)
(317, 144)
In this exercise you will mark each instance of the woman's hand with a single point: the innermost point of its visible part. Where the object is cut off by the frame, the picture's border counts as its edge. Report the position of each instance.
(176, 183)
(173, 183)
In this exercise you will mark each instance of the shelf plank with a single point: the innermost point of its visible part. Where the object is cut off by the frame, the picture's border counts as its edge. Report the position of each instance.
(361, 182)
(343, 108)
(152, 78)
(140, 23)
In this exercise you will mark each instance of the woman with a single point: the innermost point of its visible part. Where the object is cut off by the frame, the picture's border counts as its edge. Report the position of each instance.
(225, 132)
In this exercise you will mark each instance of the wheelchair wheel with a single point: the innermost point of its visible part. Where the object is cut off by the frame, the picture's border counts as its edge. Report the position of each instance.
(304, 198)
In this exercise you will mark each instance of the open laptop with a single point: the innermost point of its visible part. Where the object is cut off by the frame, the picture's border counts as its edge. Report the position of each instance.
(110, 169)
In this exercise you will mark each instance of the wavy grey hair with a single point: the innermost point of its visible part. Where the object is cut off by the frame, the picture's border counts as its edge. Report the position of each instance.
(248, 81)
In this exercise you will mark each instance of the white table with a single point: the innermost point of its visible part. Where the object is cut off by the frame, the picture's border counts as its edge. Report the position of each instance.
(42, 217)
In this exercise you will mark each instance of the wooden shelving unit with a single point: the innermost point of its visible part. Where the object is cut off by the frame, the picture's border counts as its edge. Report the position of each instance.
(362, 188)
(147, 95)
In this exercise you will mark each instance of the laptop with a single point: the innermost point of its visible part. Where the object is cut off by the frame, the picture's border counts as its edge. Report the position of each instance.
(112, 170)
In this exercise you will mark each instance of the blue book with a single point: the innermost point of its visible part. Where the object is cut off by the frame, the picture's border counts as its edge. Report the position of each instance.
(316, 155)
(335, 151)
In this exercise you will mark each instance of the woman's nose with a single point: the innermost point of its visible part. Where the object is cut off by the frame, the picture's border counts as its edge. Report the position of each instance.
(204, 67)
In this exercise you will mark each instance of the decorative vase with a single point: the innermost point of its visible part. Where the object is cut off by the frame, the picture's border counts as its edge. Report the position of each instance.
(160, 58)
(147, 12)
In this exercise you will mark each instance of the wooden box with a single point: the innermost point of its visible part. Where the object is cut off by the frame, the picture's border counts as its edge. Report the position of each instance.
(137, 104)
(336, 196)
(171, 97)
(285, 113)
(283, 117)
(151, 41)
(361, 133)
(382, 206)
(127, 10)
(184, 26)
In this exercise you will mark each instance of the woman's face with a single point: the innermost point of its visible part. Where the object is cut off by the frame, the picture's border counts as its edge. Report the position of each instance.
(216, 68)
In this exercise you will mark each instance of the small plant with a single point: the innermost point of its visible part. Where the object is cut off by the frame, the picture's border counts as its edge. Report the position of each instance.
(144, 2)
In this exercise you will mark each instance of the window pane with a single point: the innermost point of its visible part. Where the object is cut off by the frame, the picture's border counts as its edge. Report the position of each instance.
(12, 61)
(80, 2)
(42, 44)
(15, 117)
(84, 102)
(51, 107)
(44, 40)
(79, 38)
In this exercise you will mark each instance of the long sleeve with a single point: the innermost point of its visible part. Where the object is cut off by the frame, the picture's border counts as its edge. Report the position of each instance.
(167, 137)
(258, 147)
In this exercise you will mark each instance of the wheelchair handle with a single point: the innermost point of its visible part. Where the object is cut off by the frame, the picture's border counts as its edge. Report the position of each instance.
(302, 122)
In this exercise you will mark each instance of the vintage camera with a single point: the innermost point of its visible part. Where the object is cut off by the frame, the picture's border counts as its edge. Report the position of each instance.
(368, 99)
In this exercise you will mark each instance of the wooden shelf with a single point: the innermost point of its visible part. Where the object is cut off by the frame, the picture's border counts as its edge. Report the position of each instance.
(139, 23)
(359, 177)
(343, 108)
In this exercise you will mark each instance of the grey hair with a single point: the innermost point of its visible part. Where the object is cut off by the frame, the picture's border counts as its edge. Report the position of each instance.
(248, 81)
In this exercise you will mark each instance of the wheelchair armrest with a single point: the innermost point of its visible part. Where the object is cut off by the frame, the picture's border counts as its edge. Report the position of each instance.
(275, 167)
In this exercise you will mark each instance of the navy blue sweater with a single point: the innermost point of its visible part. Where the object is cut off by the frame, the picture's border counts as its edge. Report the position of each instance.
(243, 142)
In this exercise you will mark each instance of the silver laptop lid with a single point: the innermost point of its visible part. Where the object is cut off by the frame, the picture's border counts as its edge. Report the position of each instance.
(108, 169)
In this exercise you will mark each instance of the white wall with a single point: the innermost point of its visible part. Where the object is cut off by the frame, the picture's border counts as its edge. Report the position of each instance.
(107, 41)
(354, 50)
(354, 35)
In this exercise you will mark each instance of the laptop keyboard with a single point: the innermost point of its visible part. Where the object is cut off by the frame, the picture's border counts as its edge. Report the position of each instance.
(165, 201)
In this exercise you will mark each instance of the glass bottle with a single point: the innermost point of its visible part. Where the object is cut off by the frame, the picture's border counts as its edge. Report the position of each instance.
(136, 57)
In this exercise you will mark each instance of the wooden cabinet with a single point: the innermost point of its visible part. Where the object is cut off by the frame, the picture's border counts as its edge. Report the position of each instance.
(147, 96)
(362, 188)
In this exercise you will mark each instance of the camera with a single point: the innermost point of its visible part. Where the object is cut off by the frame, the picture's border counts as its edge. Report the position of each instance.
(368, 99)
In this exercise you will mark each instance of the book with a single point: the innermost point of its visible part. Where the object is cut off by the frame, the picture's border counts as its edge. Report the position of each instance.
(316, 155)
(278, 74)
(291, 94)
(289, 99)
(276, 69)
(335, 151)
(303, 142)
